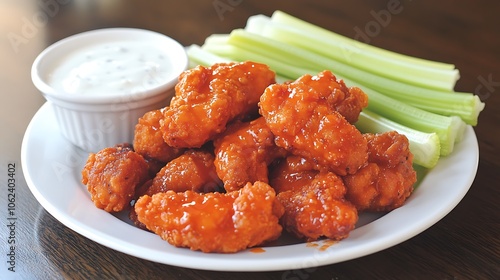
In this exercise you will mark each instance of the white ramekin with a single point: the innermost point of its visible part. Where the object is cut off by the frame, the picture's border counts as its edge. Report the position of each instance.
(99, 121)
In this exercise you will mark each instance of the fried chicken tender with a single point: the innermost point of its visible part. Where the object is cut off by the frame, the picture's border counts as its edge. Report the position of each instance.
(387, 180)
(207, 98)
(194, 170)
(244, 152)
(213, 222)
(306, 118)
(148, 138)
(112, 175)
(318, 209)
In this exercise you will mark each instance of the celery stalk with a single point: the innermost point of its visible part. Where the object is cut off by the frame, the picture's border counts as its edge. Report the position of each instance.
(283, 72)
(425, 147)
(447, 128)
(216, 39)
(199, 57)
(465, 105)
(286, 19)
(367, 61)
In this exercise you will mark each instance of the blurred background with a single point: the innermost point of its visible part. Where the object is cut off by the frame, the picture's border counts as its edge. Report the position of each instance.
(433, 30)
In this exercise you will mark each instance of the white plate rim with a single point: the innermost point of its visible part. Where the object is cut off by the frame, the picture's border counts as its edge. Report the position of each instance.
(446, 183)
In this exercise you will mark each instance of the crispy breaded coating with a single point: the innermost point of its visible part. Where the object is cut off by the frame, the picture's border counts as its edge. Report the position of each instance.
(207, 98)
(352, 103)
(112, 175)
(194, 170)
(148, 138)
(318, 209)
(213, 222)
(387, 180)
(292, 172)
(303, 115)
(243, 153)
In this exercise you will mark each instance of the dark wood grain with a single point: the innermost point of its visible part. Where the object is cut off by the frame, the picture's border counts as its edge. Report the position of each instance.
(463, 245)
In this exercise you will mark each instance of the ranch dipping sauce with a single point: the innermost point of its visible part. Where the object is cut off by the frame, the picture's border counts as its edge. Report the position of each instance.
(111, 68)
(100, 82)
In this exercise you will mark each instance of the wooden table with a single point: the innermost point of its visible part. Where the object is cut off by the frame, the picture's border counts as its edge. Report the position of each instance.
(463, 245)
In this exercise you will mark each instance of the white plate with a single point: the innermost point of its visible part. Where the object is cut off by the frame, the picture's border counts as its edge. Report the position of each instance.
(52, 169)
